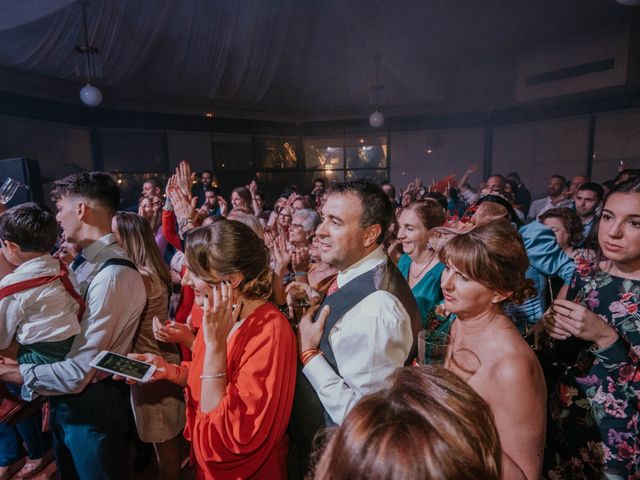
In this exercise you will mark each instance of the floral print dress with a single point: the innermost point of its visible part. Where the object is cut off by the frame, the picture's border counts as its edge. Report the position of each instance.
(595, 406)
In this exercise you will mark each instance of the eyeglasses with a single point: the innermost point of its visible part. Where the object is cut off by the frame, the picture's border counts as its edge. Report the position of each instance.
(296, 226)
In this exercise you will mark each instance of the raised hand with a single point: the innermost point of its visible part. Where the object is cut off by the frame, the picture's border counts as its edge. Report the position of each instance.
(183, 205)
(300, 259)
(224, 206)
(281, 256)
(185, 178)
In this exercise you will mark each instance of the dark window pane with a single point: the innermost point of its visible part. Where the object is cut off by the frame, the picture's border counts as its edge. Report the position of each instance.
(232, 156)
(133, 152)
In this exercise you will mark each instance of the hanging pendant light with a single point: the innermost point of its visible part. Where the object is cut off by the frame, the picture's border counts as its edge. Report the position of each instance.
(89, 94)
(376, 119)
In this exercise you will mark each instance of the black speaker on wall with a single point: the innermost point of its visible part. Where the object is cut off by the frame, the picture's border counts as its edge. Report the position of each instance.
(27, 172)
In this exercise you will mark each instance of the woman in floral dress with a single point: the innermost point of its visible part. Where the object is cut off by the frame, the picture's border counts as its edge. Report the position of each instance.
(595, 406)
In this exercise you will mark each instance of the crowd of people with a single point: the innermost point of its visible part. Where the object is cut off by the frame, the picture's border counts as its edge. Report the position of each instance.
(284, 339)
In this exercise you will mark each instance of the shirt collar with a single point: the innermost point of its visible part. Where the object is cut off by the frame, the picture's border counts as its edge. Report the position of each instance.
(94, 249)
(363, 265)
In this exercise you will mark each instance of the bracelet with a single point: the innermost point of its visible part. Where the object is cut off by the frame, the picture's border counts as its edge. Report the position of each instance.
(299, 274)
(308, 354)
(217, 375)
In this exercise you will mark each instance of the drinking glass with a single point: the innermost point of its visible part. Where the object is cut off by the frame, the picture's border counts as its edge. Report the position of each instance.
(299, 303)
(433, 347)
(8, 190)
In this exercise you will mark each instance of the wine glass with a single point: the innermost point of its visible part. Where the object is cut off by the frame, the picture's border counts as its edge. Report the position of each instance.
(8, 190)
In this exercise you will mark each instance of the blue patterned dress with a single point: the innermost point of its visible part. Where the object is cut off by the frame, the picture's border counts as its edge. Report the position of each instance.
(595, 406)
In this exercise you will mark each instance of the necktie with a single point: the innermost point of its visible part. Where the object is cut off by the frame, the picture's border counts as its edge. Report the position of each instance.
(333, 287)
(79, 260)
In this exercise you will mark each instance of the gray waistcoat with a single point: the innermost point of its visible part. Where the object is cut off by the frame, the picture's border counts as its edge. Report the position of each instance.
(308, 415)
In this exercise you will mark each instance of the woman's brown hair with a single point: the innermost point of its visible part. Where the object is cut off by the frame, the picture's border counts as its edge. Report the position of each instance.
(429, 212)
(569, 219)
(429, 424)
(492, 254)
(226, 247)
(139, 244)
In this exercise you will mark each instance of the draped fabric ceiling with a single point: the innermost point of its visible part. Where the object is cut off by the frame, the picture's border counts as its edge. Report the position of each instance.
(302, 59)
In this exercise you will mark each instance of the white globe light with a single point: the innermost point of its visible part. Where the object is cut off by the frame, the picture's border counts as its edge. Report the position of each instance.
(90, 95)
(376, 119)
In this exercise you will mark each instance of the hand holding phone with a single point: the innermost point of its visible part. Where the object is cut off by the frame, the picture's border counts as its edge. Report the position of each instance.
(126, 367)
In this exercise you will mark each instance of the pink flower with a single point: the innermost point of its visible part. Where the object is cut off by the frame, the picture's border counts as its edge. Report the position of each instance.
(626, 296)
(632, 308)
(626, 373)
(625, 450)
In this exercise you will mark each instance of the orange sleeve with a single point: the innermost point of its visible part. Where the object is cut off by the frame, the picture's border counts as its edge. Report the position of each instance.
(247, 430)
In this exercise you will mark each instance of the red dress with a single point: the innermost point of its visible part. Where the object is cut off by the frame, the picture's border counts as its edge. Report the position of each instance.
(244, 436)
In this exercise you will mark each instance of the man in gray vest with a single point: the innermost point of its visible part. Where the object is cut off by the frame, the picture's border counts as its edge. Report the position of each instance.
(365, 327)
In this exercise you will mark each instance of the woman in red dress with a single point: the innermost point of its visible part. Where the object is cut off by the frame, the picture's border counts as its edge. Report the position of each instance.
(240, 383)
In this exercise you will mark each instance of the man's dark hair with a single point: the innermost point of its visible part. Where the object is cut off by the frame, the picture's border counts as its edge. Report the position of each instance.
(515, 176)
(321, 180)
(560, 177)
(31, 226)
(376, 206)
(153, 181)
(207, 171)
(593, 187)
(100, 187)
(438, 197)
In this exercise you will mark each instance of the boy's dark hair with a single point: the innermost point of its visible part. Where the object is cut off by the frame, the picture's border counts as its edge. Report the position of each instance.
(593, 187)
(31, 226)
(100, 187)
(376, 206)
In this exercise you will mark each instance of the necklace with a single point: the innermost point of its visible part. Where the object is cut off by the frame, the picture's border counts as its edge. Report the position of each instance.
(414, 276)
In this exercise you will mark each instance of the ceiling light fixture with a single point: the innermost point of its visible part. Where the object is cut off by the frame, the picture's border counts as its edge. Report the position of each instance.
(89, 94)
(376, 119)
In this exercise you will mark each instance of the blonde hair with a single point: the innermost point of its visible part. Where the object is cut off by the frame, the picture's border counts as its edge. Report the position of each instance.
(226, 247)
(140, 245)
(429, 425)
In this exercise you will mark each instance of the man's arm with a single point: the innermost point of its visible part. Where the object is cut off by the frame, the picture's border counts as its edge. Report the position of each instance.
(113, 301)
(370, 343)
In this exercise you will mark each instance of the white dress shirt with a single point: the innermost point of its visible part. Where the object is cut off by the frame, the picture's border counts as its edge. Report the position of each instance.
(538, 207)
(115, 300)
(46, 313)
(369, 343)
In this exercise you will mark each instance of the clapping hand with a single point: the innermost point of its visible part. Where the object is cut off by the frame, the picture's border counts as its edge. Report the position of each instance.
(172, 332)
(281, 256)
(300, 259)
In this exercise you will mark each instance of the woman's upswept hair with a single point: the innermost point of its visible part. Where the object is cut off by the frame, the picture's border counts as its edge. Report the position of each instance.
(429, 425)
(139, 244)
(226, 247)
(493, 255)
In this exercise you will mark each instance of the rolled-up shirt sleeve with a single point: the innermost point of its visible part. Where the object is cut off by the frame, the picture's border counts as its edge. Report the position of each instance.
(369, 343)
(114, 306)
